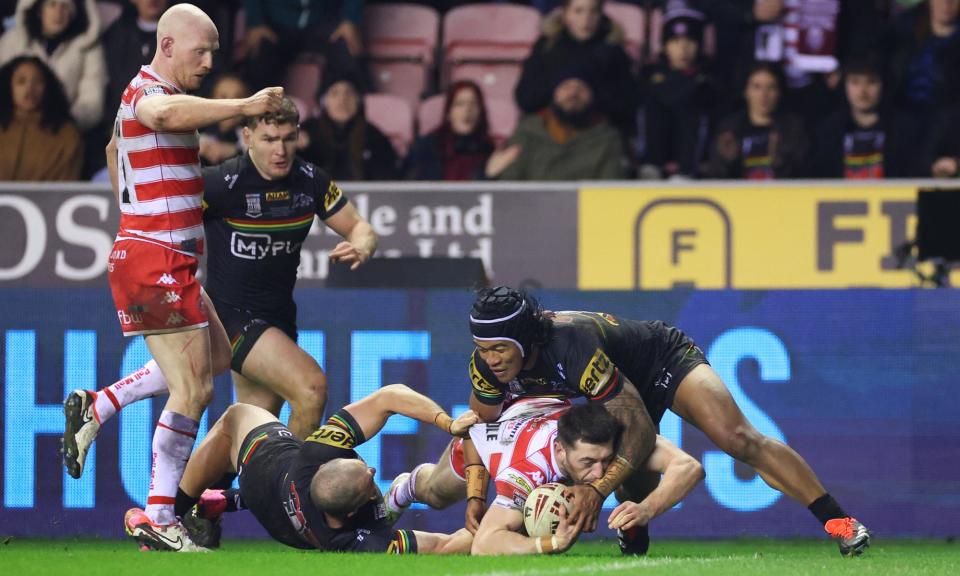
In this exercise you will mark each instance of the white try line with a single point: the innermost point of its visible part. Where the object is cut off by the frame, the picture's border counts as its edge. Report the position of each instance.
(597, 567)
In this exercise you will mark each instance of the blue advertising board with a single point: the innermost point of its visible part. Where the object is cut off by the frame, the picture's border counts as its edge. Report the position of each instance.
(861, 382)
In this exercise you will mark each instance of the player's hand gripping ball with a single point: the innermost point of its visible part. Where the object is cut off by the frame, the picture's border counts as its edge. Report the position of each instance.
(541, 511)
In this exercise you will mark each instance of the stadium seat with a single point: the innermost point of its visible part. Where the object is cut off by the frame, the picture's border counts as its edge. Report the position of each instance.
(430, 114)
(656, 36)
(109, 12)
(634, 23)
(303, 78)
(488, 43)
(393, 116)
(401, 42)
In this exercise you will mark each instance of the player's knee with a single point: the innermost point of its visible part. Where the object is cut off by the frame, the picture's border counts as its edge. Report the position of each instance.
(744, 443)
(311, 394)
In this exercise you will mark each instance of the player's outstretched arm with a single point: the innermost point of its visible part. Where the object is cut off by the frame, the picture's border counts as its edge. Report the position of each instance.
(371, 413)
(360, 239)
(434, 543)
(681, 473)
(183, 113)
(499, 533)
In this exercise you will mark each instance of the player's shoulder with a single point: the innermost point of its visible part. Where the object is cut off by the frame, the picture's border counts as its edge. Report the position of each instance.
(308, 171)
(223, 175)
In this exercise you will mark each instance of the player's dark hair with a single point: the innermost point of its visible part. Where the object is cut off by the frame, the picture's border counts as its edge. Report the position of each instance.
(287, 114)
(338, 488)
(508, 313)
(590, 423)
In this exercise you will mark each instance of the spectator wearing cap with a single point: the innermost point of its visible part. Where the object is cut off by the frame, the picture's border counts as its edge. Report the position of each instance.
(277, 31)
(578, 34)
(460, 147)
(680, 96)
(568, 140)
(65, 34)
(341, 141)
(864, 139)
(761, 142)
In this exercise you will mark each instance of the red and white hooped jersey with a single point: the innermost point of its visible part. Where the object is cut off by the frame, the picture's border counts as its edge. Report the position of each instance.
(161, 186)
(517, 449)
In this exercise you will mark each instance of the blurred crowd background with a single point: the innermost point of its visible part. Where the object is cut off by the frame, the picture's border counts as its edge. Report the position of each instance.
(541, 90)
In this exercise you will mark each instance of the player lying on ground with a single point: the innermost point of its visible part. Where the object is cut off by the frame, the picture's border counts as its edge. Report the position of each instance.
(315, 493)
(522, 350)
(536, 441)
(268, 195)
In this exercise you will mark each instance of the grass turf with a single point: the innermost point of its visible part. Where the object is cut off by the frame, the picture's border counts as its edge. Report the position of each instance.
(19, 557)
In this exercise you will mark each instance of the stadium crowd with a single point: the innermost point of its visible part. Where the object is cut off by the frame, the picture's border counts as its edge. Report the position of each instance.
(649, 89)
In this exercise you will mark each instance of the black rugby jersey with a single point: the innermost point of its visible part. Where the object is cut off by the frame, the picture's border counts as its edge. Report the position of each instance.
(365, 531)
(588, 355)
(256, 227)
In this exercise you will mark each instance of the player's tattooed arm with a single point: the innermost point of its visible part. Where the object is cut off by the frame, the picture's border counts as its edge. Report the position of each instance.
(636, 444)
(500, 533)
(372, 412)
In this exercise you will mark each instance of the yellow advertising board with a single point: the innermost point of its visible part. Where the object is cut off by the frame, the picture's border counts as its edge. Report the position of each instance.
(745, 236)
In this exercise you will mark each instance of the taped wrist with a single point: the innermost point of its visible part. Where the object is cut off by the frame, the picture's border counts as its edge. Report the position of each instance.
(477, 481)
(443, 421)
(618, 471)
(546, 544)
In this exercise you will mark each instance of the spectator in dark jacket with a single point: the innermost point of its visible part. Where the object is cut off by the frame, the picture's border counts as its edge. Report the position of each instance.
(222, 141)
(130, 41)
(459, 148)
(926, 59)
(277, 31)
(342, 142)
(943, 158)
(863, 140)
(760, 142)
(579, 35)
(680, 96)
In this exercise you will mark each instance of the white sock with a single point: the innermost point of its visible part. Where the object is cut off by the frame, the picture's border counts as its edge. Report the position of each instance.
(406, 493)
(146, 382)
(172, 443)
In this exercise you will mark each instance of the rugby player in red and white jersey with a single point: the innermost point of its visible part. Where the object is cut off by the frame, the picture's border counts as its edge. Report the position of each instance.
(154, 166)
(536, 441)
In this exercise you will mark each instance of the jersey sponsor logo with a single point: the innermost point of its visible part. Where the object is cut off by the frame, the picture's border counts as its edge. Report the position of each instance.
(519, 481)
(598, 373)
(167, 280)
(171, 297)
(127, 319)
(175, 319)
(260, 246)
(254, 210)
(332, 196)
(480, 384)
(302, 201)
(332, 436)
(278, 196)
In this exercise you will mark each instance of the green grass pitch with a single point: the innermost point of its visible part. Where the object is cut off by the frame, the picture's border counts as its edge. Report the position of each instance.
(19, 557)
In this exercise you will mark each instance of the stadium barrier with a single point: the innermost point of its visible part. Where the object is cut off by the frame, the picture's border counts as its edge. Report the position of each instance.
(610, 236)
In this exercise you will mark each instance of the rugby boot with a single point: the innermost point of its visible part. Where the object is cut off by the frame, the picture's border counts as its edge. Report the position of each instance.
(634, 541)
(852, 536)
(80, 431)
(162, 537)
(394, 512)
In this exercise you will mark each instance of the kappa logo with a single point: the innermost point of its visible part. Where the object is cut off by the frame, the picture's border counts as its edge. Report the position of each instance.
(167, 280)
(175, 319)
(537, 478)
(171, 297)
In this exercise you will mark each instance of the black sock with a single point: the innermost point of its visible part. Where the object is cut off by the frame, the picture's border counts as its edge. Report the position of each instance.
(826, 508)
(234, 500)
(183, 503)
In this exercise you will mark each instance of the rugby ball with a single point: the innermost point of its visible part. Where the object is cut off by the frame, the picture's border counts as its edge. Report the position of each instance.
(541, 511)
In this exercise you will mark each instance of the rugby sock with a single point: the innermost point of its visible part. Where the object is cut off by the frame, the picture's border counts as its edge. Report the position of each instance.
(826, 508)
(184, 502)
(406, 493)
(172, 443)
(146, 382)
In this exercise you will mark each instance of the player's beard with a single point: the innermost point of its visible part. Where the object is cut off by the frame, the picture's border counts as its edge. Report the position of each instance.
(579, 120)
